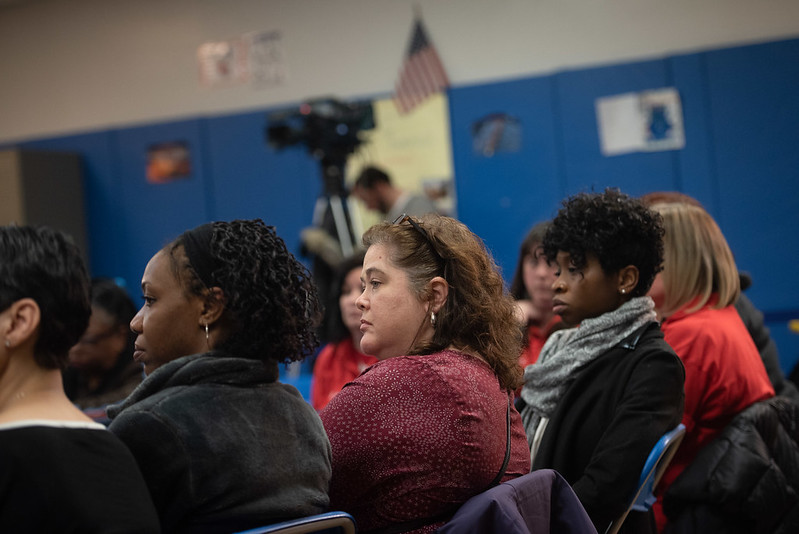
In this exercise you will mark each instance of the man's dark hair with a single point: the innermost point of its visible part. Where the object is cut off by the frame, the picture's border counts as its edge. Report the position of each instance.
(370, 177)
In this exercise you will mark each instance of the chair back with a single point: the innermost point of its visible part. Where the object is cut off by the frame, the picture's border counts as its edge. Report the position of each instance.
(333, 522)
(656, 463)
(536, 503)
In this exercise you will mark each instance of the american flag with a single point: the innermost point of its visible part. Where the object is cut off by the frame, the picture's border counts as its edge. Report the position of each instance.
(422, 73)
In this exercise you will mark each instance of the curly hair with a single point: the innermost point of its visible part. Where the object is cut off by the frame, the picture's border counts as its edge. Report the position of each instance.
(271, 302)
(478, 313)
(615, 227)
(45, 265)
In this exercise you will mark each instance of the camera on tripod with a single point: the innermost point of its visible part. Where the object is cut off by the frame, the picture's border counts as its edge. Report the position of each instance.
(327, 127)
(330, 130)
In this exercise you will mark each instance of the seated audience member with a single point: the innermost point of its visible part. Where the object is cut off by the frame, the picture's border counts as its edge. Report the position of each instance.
(695, 296)
(222, 444)
(376, 190)
(101, 368)
(341, 360)
(432, 423)
(532, 289)
(750, 315)
(606, 389)
(59, 470)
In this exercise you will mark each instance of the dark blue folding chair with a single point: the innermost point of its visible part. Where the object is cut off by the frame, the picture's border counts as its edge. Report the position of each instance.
(329, 522)
(656, 463)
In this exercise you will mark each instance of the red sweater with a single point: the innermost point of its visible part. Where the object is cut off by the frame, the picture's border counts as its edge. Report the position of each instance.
(415, 436)
(337, 364)
(723, 375)
(536, 337)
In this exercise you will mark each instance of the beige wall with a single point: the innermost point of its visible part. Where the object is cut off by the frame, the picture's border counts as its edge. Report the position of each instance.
(73, 65)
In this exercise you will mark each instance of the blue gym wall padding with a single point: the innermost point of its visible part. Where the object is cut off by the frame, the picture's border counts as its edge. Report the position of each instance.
(740, 160)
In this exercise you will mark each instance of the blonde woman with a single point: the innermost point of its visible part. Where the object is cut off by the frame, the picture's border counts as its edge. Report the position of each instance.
(694, 296)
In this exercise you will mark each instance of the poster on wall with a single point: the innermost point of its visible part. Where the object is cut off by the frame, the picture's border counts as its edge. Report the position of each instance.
(223, 62)
(413, 148)
(266, 60)
(167, 162)
(497, 132)
(255, 57)
(646, 121)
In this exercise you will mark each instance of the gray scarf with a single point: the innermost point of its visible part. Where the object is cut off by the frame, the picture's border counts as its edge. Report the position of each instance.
(567, 351)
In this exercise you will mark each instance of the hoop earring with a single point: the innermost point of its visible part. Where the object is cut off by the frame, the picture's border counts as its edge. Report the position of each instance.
(207, 341)
(433, 319)
(8, 344)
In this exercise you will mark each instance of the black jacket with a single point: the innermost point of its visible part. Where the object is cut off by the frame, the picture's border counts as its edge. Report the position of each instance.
(224, 446)
(608, 421)
(745, 480)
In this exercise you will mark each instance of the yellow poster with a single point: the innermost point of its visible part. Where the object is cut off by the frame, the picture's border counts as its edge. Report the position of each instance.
(414, 149)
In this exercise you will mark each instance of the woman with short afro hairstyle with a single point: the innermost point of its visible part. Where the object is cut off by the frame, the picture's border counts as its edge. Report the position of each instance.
(222, 444)
(606, 389)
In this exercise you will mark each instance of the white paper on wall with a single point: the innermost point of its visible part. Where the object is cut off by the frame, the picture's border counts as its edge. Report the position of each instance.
(223, 62)
(640, 122)
(255, 58)
(266, 58)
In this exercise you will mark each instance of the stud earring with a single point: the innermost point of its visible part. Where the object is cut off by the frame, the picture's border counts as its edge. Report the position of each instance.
(8, 344)
(623, 291)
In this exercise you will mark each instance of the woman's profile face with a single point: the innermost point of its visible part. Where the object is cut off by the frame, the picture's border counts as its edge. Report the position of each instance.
(538, 275)
(168, 325)
(585, 292)
(101, 344)
(393, 319)
(350, 291)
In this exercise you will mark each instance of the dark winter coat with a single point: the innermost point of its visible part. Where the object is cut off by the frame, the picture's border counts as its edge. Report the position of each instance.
(224, 446)
(745, 480)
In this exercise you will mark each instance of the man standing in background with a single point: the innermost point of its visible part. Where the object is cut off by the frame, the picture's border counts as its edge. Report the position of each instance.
(374, 188)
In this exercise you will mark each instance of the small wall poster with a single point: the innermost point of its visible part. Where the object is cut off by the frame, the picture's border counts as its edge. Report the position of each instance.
(255, 58)
(640, 122)
(167, 162)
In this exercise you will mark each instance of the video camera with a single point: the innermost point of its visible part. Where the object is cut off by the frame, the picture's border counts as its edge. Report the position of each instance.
(329, 128)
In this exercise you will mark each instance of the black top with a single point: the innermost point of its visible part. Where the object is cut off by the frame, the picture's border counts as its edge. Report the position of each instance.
(223, 446)
(609, 419)
(70, 477)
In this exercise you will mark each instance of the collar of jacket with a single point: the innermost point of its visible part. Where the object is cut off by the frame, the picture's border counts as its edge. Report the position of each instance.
(208, 368)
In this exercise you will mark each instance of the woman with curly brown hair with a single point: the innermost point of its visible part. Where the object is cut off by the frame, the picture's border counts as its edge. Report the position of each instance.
(605, 390)
(222, 444)
(432, 423)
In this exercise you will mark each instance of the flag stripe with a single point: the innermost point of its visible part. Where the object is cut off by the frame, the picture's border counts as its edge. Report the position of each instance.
(421, 74)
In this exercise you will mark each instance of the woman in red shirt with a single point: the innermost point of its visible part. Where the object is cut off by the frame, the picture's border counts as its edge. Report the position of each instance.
(432, 423)
(341, 360)
(694, 296)
(532, 289)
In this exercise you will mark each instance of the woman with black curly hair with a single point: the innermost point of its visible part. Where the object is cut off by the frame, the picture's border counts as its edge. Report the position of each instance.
(222, 444)
(605, 390)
